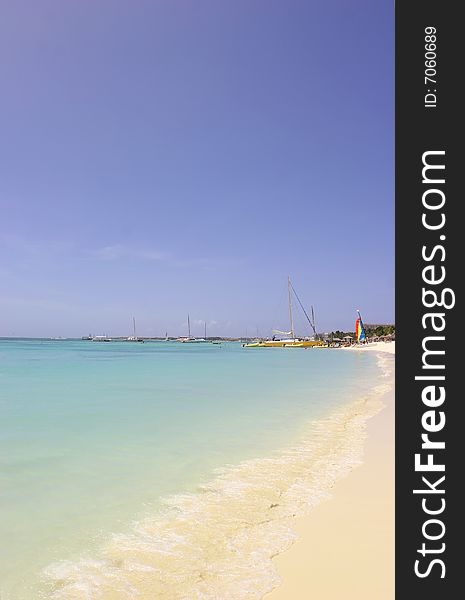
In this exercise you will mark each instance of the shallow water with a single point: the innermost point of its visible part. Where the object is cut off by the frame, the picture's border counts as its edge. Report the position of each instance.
(109, 456)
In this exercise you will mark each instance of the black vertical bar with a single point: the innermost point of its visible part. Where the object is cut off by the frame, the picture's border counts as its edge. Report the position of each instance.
(428, 118)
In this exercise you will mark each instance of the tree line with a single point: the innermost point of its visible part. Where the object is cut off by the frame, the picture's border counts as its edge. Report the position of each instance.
(379, 331)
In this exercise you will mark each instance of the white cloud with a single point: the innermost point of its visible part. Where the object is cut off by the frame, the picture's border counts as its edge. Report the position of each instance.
(109, 252)
(117, 251)
(30, 251)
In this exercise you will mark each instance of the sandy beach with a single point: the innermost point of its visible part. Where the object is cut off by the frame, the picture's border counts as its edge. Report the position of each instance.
(346, 545)
(388, 347)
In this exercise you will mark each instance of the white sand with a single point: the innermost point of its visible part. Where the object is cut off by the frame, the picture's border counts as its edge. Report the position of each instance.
(389, 347)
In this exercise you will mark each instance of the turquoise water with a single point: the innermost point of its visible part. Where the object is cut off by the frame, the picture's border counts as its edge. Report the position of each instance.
(95, 435)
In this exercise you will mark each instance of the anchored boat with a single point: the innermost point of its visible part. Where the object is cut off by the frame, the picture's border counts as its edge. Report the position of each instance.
(134, 337)
(292, 341)
(192, 340)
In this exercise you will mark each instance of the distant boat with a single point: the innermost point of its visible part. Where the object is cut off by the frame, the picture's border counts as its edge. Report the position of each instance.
(134, 338)
(101, 338)
(292, 341)
(189, 339)
(87, 337)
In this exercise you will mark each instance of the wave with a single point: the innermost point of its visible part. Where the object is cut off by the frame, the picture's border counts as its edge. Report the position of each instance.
(219, 542)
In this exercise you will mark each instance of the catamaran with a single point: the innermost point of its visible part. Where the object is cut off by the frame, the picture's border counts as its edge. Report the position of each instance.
(292, 341)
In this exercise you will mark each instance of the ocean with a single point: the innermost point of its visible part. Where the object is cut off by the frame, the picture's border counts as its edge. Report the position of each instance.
(166, 470)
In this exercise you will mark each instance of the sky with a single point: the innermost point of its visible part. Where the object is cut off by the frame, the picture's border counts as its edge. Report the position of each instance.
(160, 158)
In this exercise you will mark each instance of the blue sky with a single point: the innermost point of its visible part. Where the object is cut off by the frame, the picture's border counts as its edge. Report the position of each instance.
(165, 157)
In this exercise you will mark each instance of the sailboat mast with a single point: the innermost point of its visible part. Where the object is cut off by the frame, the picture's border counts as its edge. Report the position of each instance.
(189, 325)
(312, 320)
(205, 336)
(289, 289)
(313, 324)
(134, 325)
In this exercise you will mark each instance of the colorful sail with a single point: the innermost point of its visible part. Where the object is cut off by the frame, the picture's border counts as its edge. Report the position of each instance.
(360, 333)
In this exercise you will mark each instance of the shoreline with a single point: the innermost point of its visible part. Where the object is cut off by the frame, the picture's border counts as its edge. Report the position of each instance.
(231, 530)
(345, 546)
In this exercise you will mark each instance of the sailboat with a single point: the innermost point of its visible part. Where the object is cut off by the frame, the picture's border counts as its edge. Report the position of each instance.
(192, 340)
(189, 338)
(292, 341)
(134, 338)
(360, 332)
